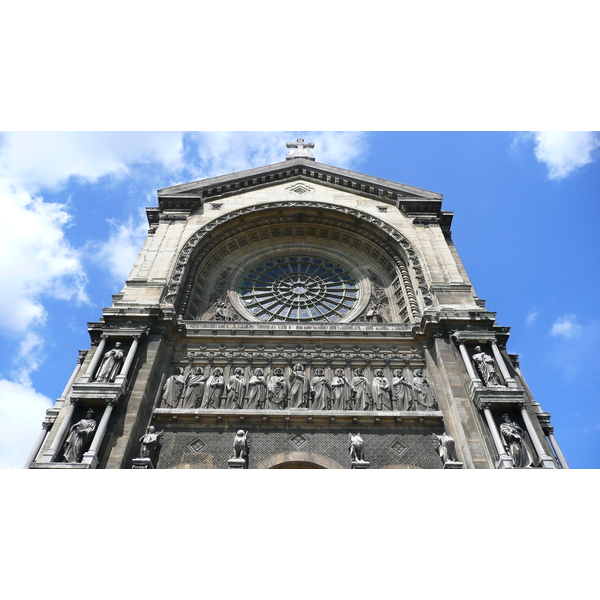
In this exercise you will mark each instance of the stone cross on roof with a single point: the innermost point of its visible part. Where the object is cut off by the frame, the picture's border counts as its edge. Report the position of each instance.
(300, 149)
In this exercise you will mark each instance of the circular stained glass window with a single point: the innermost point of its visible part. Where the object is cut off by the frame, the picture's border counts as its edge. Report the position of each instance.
(299, 288)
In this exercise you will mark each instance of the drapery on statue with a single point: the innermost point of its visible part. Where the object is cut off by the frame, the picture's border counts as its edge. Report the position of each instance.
(299, 388)
(362, 397)
(216, 385)
(278, 390)
(194, 385)
(80, 436)
(340, 387)
(236, 389)
(485, 366)
(258, 390)
(240, 445)
(356, 448)
(445, 447)
(423, 398)
(111, 365)
(382, 395)
(514, 442)
(402, 391)
(150, 442)
(319, 391)
(172, 389)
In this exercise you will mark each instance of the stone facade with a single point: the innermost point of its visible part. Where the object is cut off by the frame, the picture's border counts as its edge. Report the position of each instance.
(285, 308)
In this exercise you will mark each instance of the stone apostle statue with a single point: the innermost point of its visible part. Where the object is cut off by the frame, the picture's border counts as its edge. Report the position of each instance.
(195, 383)
(172, 389)
(257, 390)
(485, 366)
(514, 442)
(319, 391)
(111, 365)
(236, 389)
(382, 395)
(299, 388)
(80, 436)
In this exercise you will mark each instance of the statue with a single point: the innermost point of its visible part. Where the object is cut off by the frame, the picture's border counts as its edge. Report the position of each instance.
(195, 383)
(374, 314)
(80, 435)
(357, 453)
(340, 387)
(401, 391)
(382, 395)
(278, 390)
(150, 442)
(485, 366)
(111, 365)
(222, 312)
(173, 388)
(319, 391)
(423, 398)
(362, 397)
(236, 389)
(240, 444)
(514, 442)
(216, 385)
(446, 448)
(299, 388)
(258, 390)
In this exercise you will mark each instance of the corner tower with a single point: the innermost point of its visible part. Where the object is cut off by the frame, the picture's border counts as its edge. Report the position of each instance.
(297, 315)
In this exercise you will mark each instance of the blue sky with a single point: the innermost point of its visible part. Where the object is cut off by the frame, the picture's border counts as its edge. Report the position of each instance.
(525, 204)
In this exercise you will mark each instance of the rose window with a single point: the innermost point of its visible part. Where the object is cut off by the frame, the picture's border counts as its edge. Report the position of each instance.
(299, 288)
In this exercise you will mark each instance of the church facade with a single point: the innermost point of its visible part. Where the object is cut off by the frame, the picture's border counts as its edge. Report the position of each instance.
(297, 315)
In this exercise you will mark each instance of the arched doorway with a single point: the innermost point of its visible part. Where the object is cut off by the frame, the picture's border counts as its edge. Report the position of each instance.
(298, 460)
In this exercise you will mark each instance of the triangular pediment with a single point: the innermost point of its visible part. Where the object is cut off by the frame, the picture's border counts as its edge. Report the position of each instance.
(409, 198)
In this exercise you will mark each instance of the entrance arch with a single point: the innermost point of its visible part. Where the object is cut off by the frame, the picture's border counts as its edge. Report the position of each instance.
(298, 460)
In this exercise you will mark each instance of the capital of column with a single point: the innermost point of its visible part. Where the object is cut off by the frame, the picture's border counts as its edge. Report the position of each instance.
(47, 425)
(457, 339)
(105, 336)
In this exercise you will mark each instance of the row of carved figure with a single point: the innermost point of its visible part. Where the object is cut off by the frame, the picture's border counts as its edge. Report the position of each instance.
(241, 446)
(202, 389)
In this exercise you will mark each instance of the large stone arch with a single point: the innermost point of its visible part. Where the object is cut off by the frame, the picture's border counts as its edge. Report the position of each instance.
(385, 237)
(299, 460)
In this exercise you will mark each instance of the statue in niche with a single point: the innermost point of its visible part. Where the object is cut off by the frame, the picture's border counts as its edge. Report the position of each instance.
(111, 365)
(236, 389)
(446, 448)
(195, 383)
(357, 453)
(486, 368)
(319, 391)
(150, 442)
(222, 312)
(173, 389)
(216, 385)
(514, 442)
(362, 397)
(423, 398)
(401, 391)
(277, 390)
(374, 314)
(299, 395)
(240, 445)
(382, 395)
(258, 390)
(80, 435)
(340, 387)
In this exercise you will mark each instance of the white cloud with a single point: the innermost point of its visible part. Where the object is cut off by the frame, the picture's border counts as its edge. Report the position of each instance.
(22, 411)
(565, 151)
(119, 252)
(37, 160)
(532, 315)
(36, 259)
(566, 327)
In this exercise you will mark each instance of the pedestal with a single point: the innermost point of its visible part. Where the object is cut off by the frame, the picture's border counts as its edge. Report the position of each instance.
(360, 464)
(505, 462)
(451, 464)
(90, 458)
(142, 463)
(237, 463)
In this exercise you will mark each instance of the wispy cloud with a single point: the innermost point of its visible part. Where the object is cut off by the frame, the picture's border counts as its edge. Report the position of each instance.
(566, 327)
(532, 315)
(564, 152)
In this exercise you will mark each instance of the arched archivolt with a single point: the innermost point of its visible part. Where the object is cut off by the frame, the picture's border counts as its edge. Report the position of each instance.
(245, 221)
(300, 460)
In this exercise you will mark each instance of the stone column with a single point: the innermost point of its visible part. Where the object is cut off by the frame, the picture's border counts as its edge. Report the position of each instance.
(549, 431)
(91, 456)
(46, 426)
(505, 460)
(59, 438)
(508, 380)
(95, 360)
(131, 355)
(545, 460)
(466, 359)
